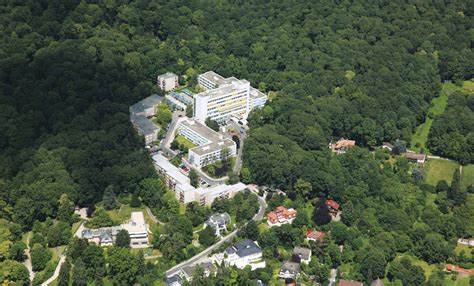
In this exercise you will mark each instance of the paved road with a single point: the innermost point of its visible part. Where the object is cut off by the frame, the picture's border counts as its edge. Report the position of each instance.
(56, 271)
(332, 278)
(165, 146)
(153, 217)
(27, 261)
(204, 254)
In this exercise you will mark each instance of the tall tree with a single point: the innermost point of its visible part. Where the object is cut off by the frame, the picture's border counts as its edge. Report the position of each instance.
(109, 199)
(122, 239)
(193, 178)
(64, 274)
(65, 209)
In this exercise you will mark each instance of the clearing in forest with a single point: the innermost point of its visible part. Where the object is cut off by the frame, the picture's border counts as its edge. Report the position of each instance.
(439, 169)
(438, 106)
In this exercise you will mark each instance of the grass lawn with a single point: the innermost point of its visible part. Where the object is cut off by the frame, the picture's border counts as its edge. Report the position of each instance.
(437, 170)
(184, 141)
(467, 176)
(123, 214)
(460, 247)
(439, 105)
(25, 237)
(427, 268)
(460, 281)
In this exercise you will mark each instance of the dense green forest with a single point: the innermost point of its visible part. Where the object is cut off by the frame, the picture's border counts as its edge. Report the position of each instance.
(365, 70)
(452, 133)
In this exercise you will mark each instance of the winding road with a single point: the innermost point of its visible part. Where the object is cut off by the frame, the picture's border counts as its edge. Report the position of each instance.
(205, 253)
(165, 147)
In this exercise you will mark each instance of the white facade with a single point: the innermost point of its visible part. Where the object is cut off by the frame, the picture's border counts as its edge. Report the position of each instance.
(138, 230)
(167, 81)
(242, 254)
(210, 143)
(225, 97)
(184, 192)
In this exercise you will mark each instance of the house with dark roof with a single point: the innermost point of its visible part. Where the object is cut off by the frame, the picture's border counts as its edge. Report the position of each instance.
(186, 273)
(174, 280)
(289, 270)
(242, 253)
(314, 235)
(301, 255)
(218, 222)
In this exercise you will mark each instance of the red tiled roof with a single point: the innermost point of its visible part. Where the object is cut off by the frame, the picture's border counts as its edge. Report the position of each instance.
(450, 267)
(344, 143)
(316, 235)
(272, 216)
(415, 156)
(332, 204)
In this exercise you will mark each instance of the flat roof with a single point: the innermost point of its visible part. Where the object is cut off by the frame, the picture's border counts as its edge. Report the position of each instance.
(170, 169)
(136, 224)
(200, 128)
(216, 140)
(213, 77)
(255, 93)
(146, 103)
(213, 146)
(175, 101)
(215, 190)
(144, 125)
(167, 75)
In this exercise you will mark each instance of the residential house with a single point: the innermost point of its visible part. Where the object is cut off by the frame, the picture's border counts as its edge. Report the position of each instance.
(281, 215)
(416, 158)
(387, 146)
(105, 236)
(167, 81)
(450, 267)
(174, 280)
(289, 270)
(314, 235)
(301, 255)
(342, 145)
(137, 229)
(243, 253)
(343, 282)
(377, 282)
(333, 206)
(218, 222)
(186, 273)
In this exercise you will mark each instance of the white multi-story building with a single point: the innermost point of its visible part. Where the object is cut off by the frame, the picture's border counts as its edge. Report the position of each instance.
(184, 192)
(225, 97)
(210, 144)
(137, 229)
(167, 81)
